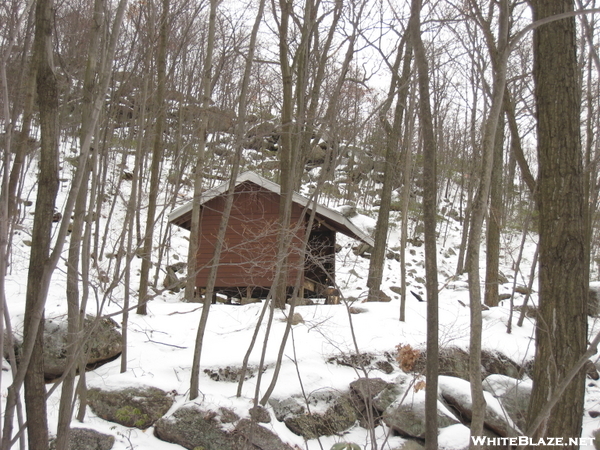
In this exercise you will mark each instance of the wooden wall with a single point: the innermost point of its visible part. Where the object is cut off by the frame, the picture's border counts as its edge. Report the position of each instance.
(249, 251)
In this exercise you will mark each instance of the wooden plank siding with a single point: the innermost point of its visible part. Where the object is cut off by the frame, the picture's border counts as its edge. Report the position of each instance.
(249, 252)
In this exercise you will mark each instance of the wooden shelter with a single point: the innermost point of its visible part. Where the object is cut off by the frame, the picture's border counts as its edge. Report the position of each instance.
(248, 261)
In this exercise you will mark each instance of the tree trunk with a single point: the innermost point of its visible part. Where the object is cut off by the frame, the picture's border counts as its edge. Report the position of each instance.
(47, 91)
(429, 219)
(392, 156)
(561, 329)
(157, 152)
(206, 86)
(494, 223)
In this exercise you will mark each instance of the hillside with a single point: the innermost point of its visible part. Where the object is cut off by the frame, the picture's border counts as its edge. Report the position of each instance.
(161, 343)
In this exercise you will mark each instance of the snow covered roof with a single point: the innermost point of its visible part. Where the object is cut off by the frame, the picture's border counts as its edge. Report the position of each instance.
(342, 223)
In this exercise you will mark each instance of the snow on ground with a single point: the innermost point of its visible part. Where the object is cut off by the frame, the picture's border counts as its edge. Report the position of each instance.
(162, 342)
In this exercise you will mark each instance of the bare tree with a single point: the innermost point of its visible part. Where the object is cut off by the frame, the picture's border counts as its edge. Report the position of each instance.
(157, 151)
(561, 329)
(429, 217)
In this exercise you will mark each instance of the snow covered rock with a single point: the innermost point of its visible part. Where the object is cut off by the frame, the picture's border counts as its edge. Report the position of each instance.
(87, 439)
(104, 345)
(138, 407)
(363, 392)
(406, 416)
(193, 427)
(258, 436)
(454, 362)
(513, 394)
(457, 395)
(331, 412)
(259, 414)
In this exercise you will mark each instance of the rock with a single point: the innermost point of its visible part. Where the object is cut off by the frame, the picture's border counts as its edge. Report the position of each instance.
(497, 363)
(524, 290)
(388, 396)
(297, 319)
(396, 290)
(287, 407)
(384, 366)
(227, 415)
(104, 345)
(513, 394)
(138, 407)
(338, 416)
(591, 370)
(393, 255)
(457, 395)
(259, 437)
(87, 439)
(232, 374)
(363, 392)
(366, 389)
(454, 362)
(260, 414)
(363, 250)
(172, 281)
(357, 361)
(408, 418)
(379, 296)
(192, 427)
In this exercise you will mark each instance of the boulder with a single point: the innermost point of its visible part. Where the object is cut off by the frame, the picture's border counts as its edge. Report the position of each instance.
(172, 281)
(287, 407)
(457, 395)
(355, 360)
(363, 392)
(408, 418)
(192, 428)
(103, 345)
(513, 394)
(138, 407)
(340, 414)
(591, 370)
(363, 250)
(259, 414)
(229, 373)
(454, 362)
(87, 439)
(366, 389)
(251, 433)
(378, 296)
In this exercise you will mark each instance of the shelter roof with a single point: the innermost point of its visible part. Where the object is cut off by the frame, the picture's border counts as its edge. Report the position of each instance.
(334, 219)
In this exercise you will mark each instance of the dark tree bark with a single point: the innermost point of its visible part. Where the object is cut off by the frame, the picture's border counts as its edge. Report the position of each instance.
(429, 219)
(157, 152)
(47, 91)
(207, 82)
(561, 328)
(494, 222)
